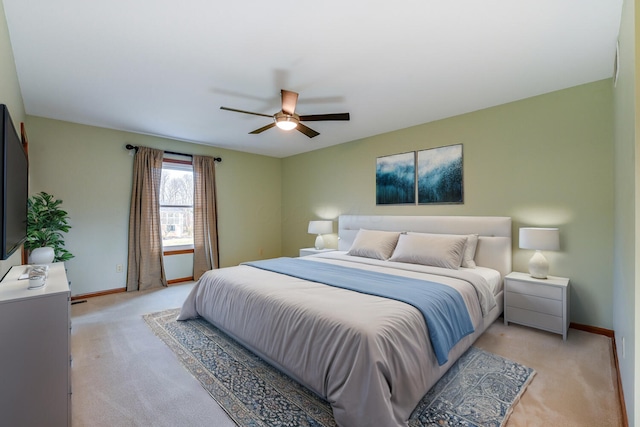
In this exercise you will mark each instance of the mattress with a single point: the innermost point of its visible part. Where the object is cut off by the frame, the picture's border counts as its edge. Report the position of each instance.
(370, 357)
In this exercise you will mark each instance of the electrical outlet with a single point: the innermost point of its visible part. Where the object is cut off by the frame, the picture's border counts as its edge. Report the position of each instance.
(119, 268)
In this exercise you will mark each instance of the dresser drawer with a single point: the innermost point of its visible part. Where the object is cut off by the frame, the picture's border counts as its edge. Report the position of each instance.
(537, 320)
(533, 303)
(538, 290)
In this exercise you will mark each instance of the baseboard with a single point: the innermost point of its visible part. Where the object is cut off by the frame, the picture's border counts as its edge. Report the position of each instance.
(181, 280)
(623, 406)
(593, 329)
(611, 334)
(98, 294)
(119, 290)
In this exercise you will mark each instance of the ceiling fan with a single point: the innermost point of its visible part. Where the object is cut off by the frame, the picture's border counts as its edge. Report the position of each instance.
(287, 119)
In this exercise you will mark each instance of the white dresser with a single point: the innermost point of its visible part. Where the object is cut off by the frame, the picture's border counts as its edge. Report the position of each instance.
(35, 383)
(540, 303)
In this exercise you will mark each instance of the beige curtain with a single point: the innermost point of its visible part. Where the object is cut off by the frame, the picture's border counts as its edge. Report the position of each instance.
(205, 217)
(145, 269)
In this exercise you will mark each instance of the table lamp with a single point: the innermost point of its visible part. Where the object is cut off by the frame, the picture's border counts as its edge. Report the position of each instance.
(539, 239)
(320, 228)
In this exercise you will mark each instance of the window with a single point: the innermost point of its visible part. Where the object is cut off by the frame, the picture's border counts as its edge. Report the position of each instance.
(176, 204)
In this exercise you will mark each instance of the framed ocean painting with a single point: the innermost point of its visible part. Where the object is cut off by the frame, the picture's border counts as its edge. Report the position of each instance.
(440, 178)
(396, 179)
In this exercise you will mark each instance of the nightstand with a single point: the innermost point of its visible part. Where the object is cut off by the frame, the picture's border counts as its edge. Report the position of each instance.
(540, 303)
(313, 251)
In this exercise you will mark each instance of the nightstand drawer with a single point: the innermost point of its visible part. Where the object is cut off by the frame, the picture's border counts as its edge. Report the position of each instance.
(533, 303)
(535, 289)
(537, 320)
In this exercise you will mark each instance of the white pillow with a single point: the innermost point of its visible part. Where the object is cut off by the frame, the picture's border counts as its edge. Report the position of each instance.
(470, 247)
(374, 244)
(438, 250)
(468, 259)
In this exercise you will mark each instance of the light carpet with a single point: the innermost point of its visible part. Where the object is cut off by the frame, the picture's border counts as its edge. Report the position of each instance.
(480, 389)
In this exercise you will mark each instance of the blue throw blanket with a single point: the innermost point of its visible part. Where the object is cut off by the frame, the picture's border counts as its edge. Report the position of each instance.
(443, 308)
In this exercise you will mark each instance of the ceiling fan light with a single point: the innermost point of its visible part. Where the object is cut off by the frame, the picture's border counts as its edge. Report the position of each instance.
(286, 122)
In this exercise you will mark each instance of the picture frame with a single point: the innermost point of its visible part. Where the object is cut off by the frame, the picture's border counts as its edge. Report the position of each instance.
(440, 176)
(396, 179)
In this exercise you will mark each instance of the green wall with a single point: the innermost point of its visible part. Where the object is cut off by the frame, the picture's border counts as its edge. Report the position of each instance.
(544, 161)
(91, 171)
(10, 96)
(626, 297)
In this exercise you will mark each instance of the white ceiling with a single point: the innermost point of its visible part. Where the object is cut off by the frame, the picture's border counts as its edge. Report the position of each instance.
(164, 67)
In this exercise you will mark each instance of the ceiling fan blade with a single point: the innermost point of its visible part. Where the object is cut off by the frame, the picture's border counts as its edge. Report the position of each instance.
(263, 128)
(245, 112)
(320, 117)
(289, 101)
(307, 130)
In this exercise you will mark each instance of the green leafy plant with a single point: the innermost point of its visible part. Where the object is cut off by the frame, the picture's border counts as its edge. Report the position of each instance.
(46, 222)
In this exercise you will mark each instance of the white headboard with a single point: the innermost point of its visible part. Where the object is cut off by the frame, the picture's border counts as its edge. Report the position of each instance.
(494, 243)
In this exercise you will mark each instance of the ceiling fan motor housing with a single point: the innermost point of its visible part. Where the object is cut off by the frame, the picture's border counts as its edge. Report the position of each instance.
(286, 121)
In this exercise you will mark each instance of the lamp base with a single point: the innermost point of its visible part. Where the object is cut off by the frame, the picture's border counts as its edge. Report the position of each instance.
(319, 242)
(538, 266)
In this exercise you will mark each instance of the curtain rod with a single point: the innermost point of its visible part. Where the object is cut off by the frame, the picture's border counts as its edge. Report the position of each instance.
(133, 147)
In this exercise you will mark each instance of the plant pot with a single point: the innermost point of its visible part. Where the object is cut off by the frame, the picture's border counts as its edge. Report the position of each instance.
(43, 255)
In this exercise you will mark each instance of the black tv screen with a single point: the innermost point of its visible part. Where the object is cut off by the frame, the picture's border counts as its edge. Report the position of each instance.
(14, 187)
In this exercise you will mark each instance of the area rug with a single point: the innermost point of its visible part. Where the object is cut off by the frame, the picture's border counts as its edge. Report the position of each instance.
(480, 389)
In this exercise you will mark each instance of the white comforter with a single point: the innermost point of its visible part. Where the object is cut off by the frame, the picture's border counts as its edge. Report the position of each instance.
(368, 356)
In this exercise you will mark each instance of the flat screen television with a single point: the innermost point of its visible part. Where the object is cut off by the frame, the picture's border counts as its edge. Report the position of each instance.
(14, 187)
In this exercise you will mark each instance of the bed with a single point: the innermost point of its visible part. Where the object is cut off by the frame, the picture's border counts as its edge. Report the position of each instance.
(371, 356)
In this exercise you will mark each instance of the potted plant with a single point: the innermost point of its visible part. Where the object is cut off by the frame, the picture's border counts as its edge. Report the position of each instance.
(46, 222)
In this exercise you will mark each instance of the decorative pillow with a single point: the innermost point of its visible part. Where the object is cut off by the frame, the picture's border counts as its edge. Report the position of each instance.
(468, 259)
(438, 250)
(374, 244)
(470, 247)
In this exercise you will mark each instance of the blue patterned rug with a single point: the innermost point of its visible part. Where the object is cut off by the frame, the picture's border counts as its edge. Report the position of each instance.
(479, 390)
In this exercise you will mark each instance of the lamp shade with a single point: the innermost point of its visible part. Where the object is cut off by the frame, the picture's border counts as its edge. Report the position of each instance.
(320, 227)
(541, 239)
